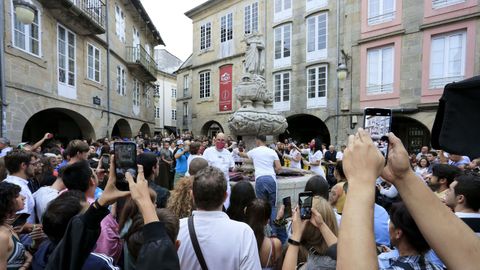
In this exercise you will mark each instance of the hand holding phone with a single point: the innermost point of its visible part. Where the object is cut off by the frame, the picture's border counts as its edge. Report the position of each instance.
(378, 123)
(20, 220)
(305, 202)
(125, 161)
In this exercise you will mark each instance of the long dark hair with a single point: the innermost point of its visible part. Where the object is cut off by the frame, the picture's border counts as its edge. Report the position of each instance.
(242, 195)
(8, 193)
(318, 144)
(257, 214)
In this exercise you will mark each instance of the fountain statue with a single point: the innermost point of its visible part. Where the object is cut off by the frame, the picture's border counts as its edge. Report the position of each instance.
(256, 115)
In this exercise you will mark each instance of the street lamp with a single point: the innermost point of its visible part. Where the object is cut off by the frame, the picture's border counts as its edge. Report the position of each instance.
(25, 11)
(342, 71)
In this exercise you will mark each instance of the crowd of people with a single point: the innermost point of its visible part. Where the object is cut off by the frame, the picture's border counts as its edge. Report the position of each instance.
(60, 207)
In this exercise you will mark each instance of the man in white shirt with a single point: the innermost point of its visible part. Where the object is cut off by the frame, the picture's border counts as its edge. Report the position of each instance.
(463, 198)
(266, 163)
(20, 168)
(224, 243)
(294, 156)
(46, 194)
(219, 157)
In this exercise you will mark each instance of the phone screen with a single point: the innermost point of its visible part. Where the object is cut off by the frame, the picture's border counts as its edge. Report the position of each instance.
(287, 202)
(125, 161)
(305, 202)
(378, 123)
(20, 220)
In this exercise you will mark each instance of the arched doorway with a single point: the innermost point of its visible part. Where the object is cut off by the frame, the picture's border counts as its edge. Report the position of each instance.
(64, 124)
(145, 130)
(413, 134)
(122, 129)
(211, 128)
(304, 127)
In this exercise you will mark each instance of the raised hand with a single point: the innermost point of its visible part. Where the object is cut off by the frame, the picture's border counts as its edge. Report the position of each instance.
(298, 225)
(398, 165)
(111, 194)
(317, 219)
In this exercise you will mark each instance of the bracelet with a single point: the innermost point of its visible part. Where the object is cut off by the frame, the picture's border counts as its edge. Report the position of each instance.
(293, 242)
(97, 205)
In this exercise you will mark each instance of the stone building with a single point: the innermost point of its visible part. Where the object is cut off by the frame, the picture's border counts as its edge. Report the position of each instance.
(403, 53)
(82, 69)
(398, 54)
(166, 92)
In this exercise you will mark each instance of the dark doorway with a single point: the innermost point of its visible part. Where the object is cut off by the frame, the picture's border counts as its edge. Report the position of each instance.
(65, 125)
(304, 127)
(211, 128)
(122, 129)
(145, 130)
(413, 134)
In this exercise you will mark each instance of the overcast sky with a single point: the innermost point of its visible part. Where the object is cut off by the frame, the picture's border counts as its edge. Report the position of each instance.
(174, 27)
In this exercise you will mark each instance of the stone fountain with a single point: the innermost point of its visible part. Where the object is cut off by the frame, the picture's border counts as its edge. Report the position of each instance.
(256, 115)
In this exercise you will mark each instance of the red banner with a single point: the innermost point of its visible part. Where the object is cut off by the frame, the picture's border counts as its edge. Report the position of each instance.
(225, 103)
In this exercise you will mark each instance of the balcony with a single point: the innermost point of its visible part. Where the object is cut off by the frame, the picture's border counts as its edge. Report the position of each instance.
(85, 17)
(141, 64)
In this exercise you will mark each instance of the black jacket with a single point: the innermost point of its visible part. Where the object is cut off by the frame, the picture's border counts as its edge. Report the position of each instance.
(157, 252)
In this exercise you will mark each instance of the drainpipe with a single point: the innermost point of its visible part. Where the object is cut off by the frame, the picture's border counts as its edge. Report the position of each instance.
(163, 101)
(3, 91)
(108, 67)
(337, 110)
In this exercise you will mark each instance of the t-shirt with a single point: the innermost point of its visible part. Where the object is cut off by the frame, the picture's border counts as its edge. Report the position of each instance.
(222, 160)
(295, 164)
(472, 220)
(181, 166)
(42, 198)
(317, 156)
(263, 161)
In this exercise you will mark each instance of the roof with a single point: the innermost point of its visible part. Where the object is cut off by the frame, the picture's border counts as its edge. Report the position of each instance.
(166, 61)
(194, 11)
(186, 64)
(141, 10)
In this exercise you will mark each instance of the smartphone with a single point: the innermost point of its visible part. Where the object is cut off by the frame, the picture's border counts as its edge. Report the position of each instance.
(105, 162)
(378, 122)
(20, 220)
(305, 203)
(287, 202)
(125, 161)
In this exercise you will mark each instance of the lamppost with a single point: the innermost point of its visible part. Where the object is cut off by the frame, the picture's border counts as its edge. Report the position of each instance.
(25, 12)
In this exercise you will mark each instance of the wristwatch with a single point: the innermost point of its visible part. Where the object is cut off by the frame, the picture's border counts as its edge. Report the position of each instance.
(293, 242)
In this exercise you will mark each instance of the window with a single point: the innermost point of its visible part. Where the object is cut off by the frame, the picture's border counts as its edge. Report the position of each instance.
(226, 30)
(282, 45)
(317, 86)
(185, 109)
(447, 59)
(436, 4)
(121, 81)
(317, 37)
(120, 23)
(281, 82)
(93, 63)
(26, 37)
(174, 93)
(157, 112)
(283, 10)
(66, 56)
(205, 84)
(380, 11)
(206, 36)
(251, 18)
(380, 68)
(315, 4)
(186, 85)
(136, 93)
(174, 114)
(147, 98)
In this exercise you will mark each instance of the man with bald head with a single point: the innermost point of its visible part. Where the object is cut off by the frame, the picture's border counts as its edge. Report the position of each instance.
(218, 156)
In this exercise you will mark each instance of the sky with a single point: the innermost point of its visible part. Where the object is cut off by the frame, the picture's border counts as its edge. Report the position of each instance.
(174, 27)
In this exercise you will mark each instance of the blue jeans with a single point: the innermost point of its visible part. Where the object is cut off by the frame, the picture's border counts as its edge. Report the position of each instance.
(266, 189)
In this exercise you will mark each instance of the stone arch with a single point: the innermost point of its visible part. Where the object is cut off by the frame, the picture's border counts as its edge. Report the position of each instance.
(412, 132)
(304, 127)
(145, 130)
(211, 128)
(122, 129)
(65, 125)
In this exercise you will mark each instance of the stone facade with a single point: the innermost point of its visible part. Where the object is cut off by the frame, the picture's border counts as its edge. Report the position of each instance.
(408, 28)
(33, 87)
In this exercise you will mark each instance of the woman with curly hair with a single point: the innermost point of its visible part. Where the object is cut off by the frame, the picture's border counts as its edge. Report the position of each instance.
(181, 201)
(13, 254)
